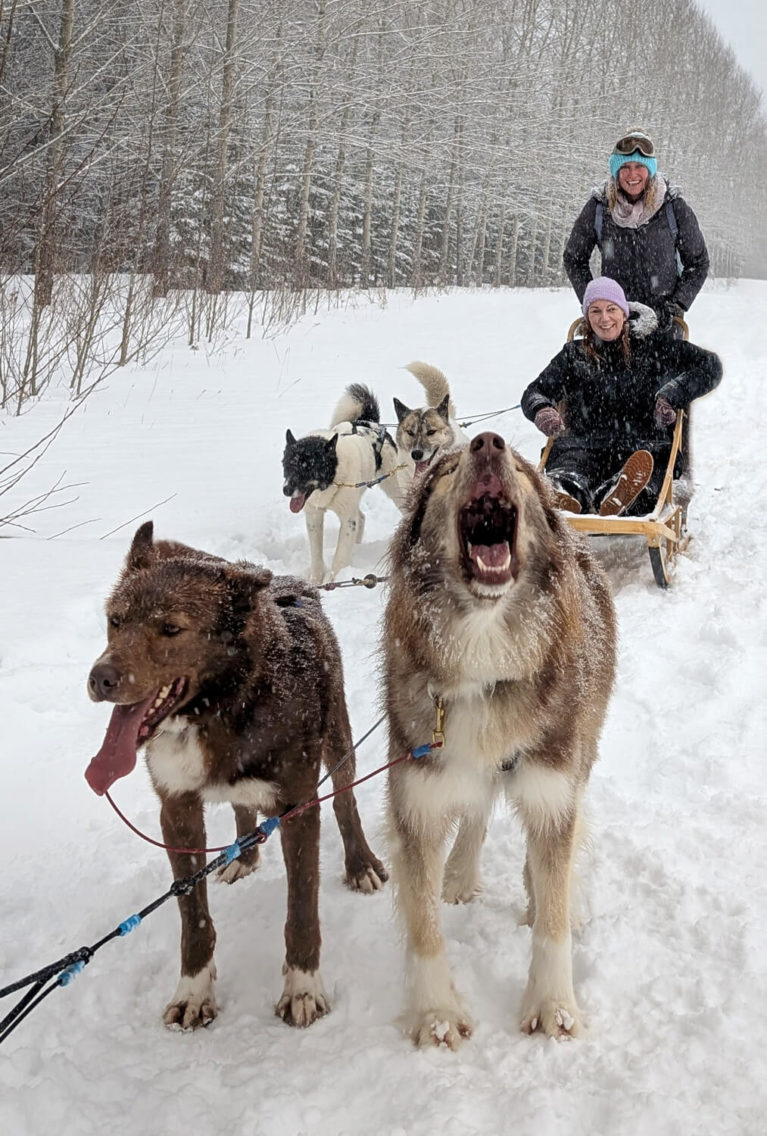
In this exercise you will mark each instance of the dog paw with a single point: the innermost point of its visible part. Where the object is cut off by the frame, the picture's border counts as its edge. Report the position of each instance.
(366, 877)
(241, 867)
(440, 1028)
(554, 1017)
(194, 1004)
(303, 999)
(458, 890)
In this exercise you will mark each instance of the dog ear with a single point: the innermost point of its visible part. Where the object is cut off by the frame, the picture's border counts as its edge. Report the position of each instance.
(244, 583)
(443, 408)
(141, 552)
(289, 438)
(400, 409)
(332, 444)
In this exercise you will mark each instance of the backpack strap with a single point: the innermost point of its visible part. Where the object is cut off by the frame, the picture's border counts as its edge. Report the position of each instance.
(598, 219)
(674, 229)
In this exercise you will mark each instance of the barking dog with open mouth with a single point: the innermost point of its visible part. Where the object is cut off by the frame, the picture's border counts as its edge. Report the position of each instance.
(425, 434)
(232, 680)
(328, 469)
(500, 620)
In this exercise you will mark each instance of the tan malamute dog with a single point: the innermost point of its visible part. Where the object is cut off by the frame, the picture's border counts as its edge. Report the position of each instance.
(500, 619)
(426, 433)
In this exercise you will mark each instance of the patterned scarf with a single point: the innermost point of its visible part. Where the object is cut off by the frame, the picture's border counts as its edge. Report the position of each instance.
(632, 215)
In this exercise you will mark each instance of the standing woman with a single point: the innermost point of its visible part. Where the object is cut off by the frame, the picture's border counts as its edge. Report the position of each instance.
(610, 401)
(648, 235)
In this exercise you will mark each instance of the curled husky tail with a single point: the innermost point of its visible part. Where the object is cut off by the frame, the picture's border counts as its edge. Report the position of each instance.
(357, 404)
(433, 382)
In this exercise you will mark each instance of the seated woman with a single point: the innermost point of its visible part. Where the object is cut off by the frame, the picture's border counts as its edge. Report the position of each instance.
(610, 401)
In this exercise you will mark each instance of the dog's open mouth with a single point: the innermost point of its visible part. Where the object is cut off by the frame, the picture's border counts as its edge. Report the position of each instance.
(297, 502)
(422, 466)
(130, 727)
(487, 526)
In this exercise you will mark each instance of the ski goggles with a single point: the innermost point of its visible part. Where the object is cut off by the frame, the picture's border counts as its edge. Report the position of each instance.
(633, 142)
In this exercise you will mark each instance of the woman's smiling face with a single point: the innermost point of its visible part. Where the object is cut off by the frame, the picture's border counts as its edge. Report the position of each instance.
(632, 178)
(606, 319)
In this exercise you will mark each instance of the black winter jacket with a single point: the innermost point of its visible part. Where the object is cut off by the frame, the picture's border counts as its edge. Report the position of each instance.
(642, 260)
(610, 404)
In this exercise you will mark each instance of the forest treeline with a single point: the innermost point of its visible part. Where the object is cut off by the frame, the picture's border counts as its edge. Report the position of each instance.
(302, 144)
(337, 143)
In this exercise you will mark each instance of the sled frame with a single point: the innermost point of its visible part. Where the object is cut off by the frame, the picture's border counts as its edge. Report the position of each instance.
(665, 528)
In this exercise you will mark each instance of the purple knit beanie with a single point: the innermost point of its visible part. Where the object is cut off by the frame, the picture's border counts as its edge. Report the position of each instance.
(603, 288)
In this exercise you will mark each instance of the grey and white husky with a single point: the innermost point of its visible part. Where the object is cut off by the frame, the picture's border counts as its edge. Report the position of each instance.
(424, 434)
(500, 632)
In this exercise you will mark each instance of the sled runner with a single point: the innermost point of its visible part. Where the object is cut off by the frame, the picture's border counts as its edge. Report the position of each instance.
(665, 528)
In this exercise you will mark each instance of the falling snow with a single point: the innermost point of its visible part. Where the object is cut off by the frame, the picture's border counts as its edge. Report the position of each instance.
(669, 956)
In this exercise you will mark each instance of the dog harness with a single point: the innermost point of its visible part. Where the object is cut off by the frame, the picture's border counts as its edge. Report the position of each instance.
(382, 436)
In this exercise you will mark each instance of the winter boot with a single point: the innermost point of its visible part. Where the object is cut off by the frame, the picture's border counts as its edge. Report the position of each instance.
(563, 498)
(564, 501)
(627, 486)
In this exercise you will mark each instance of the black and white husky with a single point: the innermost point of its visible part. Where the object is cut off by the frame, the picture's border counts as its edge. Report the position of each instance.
(330, 469)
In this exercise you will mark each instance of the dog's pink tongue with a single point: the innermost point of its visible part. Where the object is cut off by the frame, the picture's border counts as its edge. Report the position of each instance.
(117, 755)
(297, 503)
(491, 555)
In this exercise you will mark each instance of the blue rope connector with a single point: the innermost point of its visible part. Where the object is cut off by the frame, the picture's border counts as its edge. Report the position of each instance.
(71, 973)
(421, 751)
(129, 924)
(268, 825)
(232, 852)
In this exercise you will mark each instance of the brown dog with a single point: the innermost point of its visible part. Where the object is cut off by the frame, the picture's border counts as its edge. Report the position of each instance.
(232, 679)
(499, 619)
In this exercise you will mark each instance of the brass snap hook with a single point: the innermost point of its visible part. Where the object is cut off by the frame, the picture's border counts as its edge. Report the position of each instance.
(438, 733)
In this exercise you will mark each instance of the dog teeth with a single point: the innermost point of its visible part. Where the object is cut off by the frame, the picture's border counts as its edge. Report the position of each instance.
(162, 695)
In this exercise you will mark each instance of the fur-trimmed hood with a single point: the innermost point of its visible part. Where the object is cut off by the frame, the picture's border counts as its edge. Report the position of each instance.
(642, 320)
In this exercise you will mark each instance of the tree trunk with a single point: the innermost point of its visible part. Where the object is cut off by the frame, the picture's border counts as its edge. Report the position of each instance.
(417, 276)
(215, 277)
(302, 263)
(160, 261)
(45, 253)
(367, 215)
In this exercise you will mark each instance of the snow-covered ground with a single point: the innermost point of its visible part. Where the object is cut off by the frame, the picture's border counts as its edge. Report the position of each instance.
(670, 962)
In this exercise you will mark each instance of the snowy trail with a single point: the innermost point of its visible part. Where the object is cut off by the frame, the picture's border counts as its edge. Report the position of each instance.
(670, 961)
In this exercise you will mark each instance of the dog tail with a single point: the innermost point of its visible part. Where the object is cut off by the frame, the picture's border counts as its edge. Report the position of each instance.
(433, 382)
(357, 404)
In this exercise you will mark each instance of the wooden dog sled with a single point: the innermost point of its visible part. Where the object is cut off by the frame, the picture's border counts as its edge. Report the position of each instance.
(665, 528)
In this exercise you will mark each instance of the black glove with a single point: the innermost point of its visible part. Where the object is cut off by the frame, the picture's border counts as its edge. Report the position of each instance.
(666, 310)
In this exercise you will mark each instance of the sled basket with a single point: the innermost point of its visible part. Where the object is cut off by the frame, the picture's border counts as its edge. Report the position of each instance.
(665, 528)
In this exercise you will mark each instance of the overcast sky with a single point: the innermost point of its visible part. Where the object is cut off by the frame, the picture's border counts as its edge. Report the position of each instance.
(743, 25)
